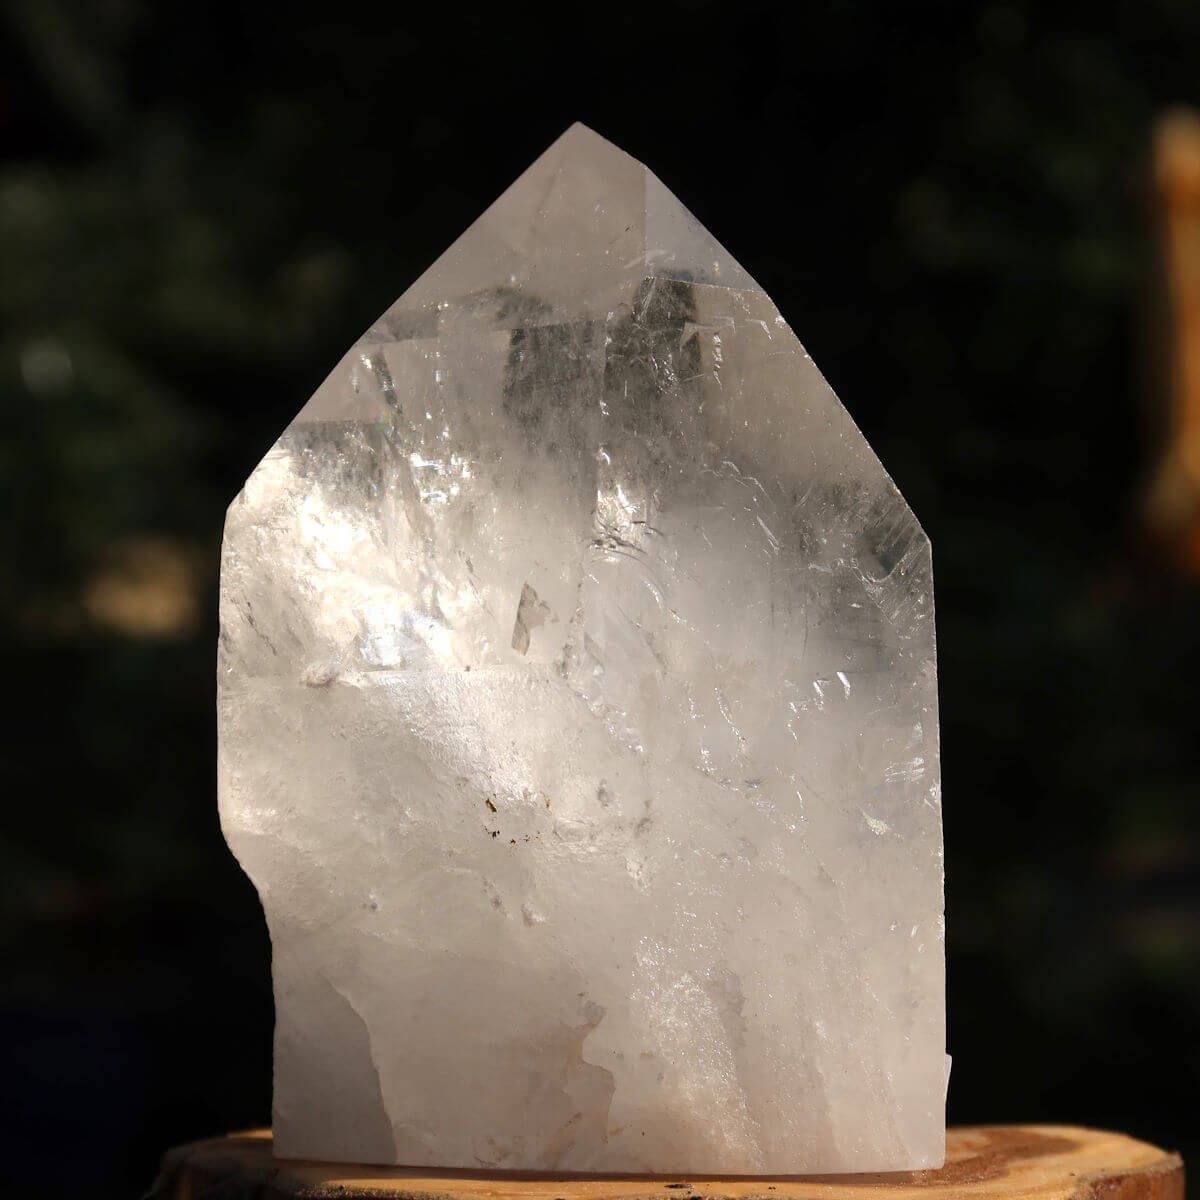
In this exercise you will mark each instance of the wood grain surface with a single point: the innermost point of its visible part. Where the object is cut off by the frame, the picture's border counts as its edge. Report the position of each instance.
(1007, 1162)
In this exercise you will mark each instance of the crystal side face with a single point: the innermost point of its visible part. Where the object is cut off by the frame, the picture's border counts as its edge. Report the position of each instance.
(578, 722)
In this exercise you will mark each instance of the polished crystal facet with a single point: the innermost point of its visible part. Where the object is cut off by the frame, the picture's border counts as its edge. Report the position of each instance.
(578, 721)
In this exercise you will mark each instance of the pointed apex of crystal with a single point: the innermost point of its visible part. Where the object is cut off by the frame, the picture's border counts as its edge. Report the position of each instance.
(674, 245)
(586, 223)
(578, 722)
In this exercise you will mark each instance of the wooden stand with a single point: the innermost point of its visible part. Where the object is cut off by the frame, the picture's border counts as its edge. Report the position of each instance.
(1004, 1162)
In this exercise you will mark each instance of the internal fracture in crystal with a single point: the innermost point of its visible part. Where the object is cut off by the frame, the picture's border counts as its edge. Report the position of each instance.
(578, 721)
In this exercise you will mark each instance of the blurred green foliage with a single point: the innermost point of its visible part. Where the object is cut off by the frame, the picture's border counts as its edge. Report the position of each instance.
(200, 208)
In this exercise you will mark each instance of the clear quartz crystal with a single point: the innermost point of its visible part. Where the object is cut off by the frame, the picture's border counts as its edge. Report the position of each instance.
(578, 722)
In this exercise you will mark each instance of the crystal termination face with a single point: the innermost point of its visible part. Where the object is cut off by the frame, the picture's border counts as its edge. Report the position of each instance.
(578, 722)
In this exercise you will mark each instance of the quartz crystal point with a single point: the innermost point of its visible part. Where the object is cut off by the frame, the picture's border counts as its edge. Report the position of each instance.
(578, 722)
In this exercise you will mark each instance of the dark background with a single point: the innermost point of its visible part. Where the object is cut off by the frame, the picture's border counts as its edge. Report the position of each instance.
(201, 207)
